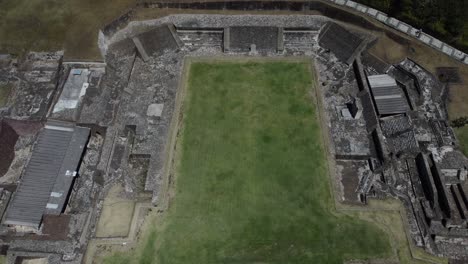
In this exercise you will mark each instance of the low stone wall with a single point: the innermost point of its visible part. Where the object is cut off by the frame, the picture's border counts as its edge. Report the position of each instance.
(406, 29)
(8, 138)
(119, 22)
(296, 6)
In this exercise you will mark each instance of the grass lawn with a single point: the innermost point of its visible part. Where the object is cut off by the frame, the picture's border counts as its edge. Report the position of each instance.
(4, 92)
(252, 183)
(44, 25)
(462, 136)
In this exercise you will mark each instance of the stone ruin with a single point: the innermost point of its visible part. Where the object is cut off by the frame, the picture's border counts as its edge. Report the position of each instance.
(379, 152)
(411, 154)
(128, 103)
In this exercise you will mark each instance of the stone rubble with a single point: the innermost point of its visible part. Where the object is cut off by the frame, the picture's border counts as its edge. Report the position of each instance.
(130, 106)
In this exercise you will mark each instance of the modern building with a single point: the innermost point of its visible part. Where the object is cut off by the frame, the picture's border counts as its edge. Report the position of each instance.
(48, 177)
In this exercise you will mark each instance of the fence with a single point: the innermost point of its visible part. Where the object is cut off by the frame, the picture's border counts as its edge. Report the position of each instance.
(405, 28)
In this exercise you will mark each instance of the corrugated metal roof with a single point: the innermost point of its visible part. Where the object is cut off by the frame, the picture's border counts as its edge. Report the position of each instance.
(381, 80)
(388, 96)
(55, 158)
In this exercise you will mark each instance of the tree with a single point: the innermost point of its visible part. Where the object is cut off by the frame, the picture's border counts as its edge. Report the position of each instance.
(460, 122)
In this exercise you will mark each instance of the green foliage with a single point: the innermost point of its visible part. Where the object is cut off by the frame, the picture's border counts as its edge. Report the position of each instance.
(460, 122)
(462, 136)
(447, 19)
(4, 93)
(252, 185)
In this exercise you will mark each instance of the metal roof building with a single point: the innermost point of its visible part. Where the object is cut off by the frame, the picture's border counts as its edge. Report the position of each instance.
(388, 96)
(49, 174)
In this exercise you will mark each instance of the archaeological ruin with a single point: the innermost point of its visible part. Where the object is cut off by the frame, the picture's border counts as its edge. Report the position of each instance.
(70, 130)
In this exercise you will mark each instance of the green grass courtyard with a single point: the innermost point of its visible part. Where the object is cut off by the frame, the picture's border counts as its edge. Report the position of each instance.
(252, 184)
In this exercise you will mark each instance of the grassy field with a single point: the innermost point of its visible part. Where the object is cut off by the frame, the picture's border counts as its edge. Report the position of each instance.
(252, 183)
(462, 135)
(40, 25)
(390, 215)
(4, 92)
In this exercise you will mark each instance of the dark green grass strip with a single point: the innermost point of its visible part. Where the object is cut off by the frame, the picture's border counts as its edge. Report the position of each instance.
(462, 135)
(4, 92)
(252, 186)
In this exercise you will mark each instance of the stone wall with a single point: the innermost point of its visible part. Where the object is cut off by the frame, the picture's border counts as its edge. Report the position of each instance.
(405, 28)
(8, 138)
(320, 6)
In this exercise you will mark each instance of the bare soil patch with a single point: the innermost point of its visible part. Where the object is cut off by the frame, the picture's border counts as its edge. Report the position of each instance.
(116, 214)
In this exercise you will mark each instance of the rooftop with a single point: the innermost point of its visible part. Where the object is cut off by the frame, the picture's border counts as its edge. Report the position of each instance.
(49, 174)
(388, 96)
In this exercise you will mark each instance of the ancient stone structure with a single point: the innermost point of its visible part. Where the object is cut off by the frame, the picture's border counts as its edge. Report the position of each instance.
(129, 104)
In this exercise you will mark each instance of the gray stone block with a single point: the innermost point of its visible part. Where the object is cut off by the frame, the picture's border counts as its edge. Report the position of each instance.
(155, 110)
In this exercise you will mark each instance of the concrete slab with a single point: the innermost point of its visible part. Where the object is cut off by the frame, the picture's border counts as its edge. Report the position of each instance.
(226, 39)
(425, 38)
(351, 4)
(436, 43)
(346, 114)
(155, 110)
(458, 54)
(413, 31)
(280, 45)
(403, 27)
(393, 22)
(74, 88)
(361, 8)
(382, 17)
(371, 11)
(447, 49)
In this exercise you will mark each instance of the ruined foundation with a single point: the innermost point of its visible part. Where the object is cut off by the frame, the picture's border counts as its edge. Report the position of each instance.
(128, 105)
